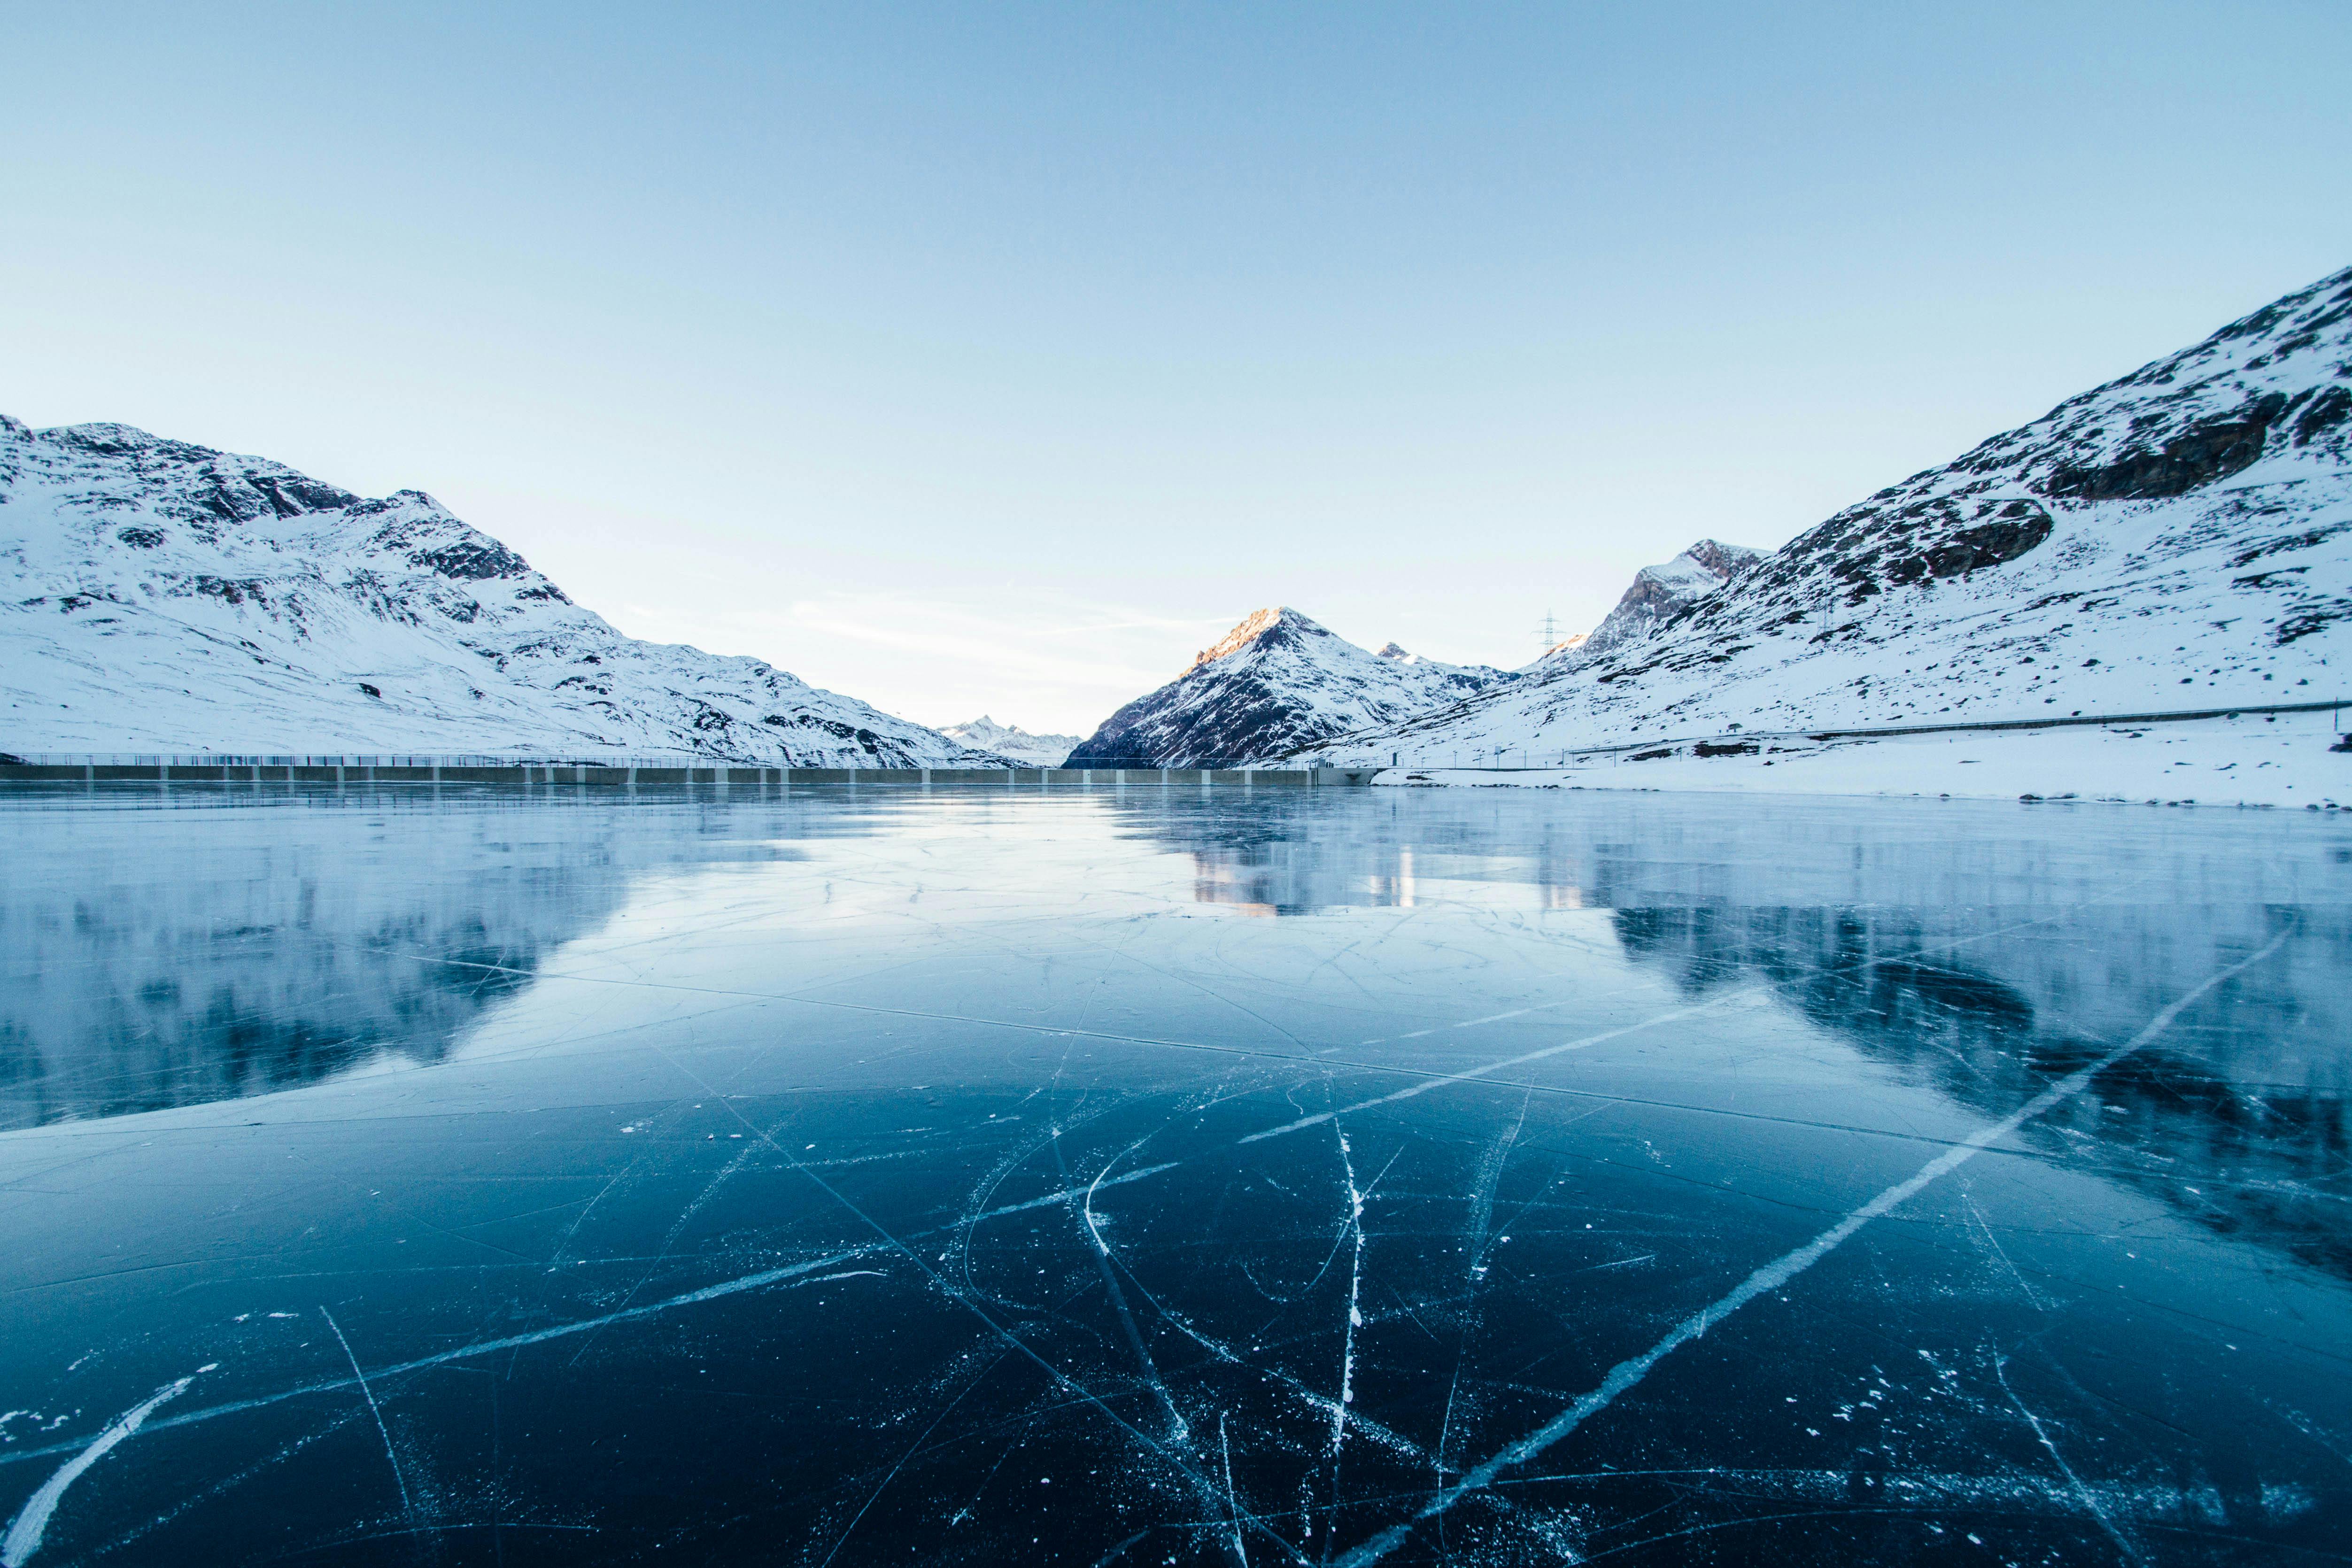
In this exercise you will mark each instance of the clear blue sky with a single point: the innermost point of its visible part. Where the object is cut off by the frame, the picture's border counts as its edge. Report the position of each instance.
(998, 357)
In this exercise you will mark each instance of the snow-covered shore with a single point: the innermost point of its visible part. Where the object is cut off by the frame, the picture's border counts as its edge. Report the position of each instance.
(2251, 760)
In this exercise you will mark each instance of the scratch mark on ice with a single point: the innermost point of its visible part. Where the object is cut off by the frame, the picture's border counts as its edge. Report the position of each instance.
(1119, 1551)
(24, 1536)
(1355, 1299)
(1993, 1241)
(1177, 1427)
(1202, 1487)
(1441, 1080)
(512, 1341)
(1054, 1199)
(875, 1496)
(2081, 1493)
(1232, 1513)
(406, 1505)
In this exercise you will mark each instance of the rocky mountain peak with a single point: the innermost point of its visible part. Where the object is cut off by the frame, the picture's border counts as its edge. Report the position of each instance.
(1277, 682)
(1723, 559)
(1271, 627)
(1658, 595)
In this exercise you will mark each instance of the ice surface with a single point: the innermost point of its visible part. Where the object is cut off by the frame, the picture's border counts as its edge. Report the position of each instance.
(987, 1174)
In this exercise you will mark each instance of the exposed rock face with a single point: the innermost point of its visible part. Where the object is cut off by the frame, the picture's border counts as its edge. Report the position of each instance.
(1660, 594)
(1010, 740)
(2179, 538)
(163, 597)
(1274, 683)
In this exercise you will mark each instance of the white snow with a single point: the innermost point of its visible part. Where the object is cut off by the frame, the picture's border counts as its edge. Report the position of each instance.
(2178, 539)
(2247, 760)
(163, 597)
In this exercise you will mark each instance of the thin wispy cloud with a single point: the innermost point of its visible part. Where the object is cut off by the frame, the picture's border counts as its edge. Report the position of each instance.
(1044, 661)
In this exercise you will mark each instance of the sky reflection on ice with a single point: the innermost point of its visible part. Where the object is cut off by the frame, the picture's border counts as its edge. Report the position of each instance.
(975, 1175)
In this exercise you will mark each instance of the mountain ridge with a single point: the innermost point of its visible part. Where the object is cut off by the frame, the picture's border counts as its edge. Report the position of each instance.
(2178, 537)
(172, 598)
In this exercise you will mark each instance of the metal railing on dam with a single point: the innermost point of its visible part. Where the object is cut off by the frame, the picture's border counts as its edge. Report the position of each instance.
(53, 768)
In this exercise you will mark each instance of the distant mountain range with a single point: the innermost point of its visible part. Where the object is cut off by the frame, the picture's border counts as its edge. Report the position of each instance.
(1277, 682)
(984, 734)
(163, 597)
(2177, 539)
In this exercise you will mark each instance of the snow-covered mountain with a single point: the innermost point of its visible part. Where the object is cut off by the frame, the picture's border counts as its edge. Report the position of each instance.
(2179, 538)
(162, 597)
(984, 734)
(1660, 594)
(1275, 683)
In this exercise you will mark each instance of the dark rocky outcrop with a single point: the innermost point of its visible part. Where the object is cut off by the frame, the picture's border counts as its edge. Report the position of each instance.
(2211, 448)
(472, 559)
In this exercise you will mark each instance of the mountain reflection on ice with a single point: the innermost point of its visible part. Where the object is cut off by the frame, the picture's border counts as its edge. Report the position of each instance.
(157, 960)
(962, 1176)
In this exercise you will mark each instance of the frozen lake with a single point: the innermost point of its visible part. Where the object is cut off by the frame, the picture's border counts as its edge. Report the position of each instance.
(1099, 1177)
